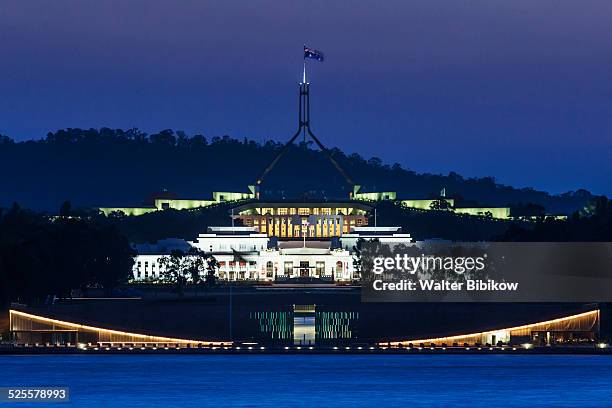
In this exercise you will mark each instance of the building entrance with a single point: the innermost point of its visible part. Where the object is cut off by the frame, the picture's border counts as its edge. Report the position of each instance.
(304, 269)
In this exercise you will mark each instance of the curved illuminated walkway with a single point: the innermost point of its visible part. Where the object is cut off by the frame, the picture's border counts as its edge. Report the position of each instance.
(26, 326)
(587, 322)
(22, 323)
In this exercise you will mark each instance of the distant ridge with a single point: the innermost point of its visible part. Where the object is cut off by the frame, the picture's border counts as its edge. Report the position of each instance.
(97, 167)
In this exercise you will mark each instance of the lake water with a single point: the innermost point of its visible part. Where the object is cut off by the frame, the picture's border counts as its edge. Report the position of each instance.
(317, 380)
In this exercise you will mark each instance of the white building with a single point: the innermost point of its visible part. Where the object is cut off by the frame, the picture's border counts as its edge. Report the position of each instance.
(386, 235)
(244, 254)
(229, 239)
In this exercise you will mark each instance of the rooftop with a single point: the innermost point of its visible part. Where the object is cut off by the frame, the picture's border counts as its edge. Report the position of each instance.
(304, 204)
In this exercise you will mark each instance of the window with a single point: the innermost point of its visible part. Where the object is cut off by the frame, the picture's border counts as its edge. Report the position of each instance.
(338, 268)
(320, 268)
(269, 269)
(303, 211)
(282, 211)
(288, 268)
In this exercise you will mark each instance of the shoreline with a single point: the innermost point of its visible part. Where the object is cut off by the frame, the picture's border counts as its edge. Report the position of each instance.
(256, 349)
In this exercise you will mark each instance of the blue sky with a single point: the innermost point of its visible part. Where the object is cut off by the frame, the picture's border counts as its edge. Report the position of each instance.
(519, 90)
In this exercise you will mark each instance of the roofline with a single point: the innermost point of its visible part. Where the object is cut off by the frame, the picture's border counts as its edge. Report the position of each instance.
(304, 204)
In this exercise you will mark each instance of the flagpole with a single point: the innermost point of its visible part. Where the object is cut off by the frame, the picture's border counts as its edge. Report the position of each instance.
(305, 117)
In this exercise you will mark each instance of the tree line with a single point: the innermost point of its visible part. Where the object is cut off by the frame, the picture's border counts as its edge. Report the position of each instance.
(45, 257)
(194, 266)
(115, 167)
(592, 225)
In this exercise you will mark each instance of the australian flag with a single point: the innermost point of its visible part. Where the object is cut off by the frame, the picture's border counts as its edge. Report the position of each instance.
(311, 53)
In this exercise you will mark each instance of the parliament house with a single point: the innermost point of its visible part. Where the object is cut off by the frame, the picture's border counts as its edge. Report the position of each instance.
(302, 219)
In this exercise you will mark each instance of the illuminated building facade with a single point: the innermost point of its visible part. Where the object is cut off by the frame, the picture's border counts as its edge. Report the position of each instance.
(167, 203)
(298, 220)
(245, 254)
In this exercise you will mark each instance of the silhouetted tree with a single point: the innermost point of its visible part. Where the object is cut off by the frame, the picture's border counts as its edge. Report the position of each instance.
(440, 204)
(211, 271)
(42, 257)
(527, 210)
(195, 265)
(591, 226)
(174, 270)
(357, 258)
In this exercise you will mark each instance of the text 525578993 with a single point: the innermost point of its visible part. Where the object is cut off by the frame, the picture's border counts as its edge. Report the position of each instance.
(28, 394)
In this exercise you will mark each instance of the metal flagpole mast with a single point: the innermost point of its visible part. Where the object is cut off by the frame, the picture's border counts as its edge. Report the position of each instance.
(304, 125)
(303, 114)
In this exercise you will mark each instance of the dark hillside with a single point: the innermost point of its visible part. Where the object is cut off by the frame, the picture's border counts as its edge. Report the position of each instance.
(108, 167)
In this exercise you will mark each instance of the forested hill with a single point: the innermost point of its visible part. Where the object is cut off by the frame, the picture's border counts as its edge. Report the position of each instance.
(108, 167)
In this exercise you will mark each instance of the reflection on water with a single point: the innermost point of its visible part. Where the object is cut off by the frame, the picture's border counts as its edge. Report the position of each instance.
(305, 325)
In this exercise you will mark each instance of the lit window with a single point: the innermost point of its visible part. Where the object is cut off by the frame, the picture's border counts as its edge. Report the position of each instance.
(320, 268)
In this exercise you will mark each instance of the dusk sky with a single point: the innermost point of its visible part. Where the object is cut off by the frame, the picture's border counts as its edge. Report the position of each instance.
(519, 89)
